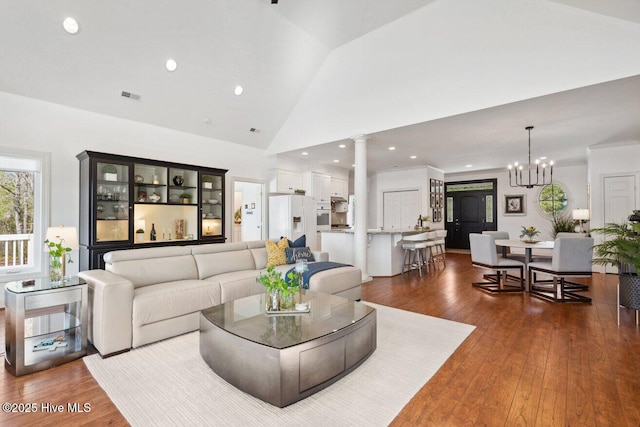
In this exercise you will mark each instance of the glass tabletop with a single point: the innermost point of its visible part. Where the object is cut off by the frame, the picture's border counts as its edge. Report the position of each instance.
(247, 318)
(41, 284)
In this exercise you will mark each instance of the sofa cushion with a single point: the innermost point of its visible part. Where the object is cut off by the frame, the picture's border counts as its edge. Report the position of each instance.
(238, 284)
(335, 280)
(144, 267)
(300, 242)
(222, 258)
(173, 299)
(294, 254)
(275, 252)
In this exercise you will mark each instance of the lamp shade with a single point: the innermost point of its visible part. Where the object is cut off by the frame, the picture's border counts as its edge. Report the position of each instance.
(581, 214)
(67, 236)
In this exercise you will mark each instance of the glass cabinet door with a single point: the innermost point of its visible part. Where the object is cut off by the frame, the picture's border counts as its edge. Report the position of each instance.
(212, 198)
(112, 202)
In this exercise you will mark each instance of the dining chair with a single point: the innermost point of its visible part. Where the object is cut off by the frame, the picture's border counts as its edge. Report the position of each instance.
(571, 258)
(484, 255)
(571, 235)
(414, 246)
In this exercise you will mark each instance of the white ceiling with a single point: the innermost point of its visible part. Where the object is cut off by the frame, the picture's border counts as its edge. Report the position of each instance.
(274, 52)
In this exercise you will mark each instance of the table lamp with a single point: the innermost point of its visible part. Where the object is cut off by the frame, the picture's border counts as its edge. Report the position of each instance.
(68, 238)
(581, 215)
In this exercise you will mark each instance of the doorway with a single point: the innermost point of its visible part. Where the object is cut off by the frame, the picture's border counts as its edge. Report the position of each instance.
(470, 207)
(248, 211)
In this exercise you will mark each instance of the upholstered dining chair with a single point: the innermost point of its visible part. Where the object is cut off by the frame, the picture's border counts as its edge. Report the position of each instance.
(571, 258)
(484, 255)
(414, 247)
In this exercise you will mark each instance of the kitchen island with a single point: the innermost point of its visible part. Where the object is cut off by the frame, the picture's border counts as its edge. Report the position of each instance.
(384, 248)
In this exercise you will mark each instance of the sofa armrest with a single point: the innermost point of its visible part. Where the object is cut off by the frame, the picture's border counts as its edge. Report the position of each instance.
(110, 311)
(320, 256)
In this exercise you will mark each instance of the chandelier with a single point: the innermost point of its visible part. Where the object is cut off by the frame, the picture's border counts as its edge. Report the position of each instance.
(518, 168)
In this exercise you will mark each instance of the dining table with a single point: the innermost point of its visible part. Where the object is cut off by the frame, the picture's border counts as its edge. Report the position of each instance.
(528, 247)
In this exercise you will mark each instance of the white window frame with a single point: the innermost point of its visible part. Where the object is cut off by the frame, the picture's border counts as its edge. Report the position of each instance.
(41, 209)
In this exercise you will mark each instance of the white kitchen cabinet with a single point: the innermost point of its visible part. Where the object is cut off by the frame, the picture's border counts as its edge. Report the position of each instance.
(284, 181)
(321, 187)
(339, 188)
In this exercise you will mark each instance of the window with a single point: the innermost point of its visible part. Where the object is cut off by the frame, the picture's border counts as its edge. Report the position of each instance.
(553, 199)
(22, 212)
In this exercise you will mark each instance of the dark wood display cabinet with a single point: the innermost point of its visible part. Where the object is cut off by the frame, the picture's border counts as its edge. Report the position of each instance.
(123, 198)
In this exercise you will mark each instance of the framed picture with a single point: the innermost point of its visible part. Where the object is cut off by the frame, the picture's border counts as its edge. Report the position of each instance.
(514, 204)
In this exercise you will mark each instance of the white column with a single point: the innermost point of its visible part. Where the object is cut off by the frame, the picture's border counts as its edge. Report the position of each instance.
(361, 206)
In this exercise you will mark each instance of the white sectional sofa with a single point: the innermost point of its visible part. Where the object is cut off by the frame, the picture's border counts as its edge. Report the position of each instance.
(146, 295)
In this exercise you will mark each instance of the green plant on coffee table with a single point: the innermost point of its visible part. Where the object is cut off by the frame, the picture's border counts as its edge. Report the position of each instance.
(273, 282)
(562, 224)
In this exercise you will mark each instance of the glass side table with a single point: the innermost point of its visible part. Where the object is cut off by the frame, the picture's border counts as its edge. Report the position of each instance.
(45, 323)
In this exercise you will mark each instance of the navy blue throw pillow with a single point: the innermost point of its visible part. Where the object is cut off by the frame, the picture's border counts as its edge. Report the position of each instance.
(294, 254)
(300, 242)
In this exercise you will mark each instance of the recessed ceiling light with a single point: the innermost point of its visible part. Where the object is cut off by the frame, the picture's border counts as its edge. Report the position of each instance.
(207, 120)
(304, 153)
(392, 148)
(171, 65)
(336, 161)
(70, 25)
(353, 166)
(543, 158)
(468, 166)
(238, 90)
(414, 157)
(342, 145)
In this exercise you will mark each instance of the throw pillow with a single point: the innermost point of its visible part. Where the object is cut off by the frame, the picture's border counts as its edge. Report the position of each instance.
(275, 252)
(294, 254)
(300, 242)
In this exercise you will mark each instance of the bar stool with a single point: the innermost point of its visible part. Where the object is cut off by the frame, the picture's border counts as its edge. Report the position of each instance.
(438, 250)
(414, 246)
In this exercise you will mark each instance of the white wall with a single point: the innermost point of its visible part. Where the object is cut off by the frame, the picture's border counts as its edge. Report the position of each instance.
(456, 56)
(406, 179)
(572, 178)
(65, 132)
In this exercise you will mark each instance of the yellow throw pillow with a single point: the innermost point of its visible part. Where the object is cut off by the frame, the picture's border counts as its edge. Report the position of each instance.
(275, 252)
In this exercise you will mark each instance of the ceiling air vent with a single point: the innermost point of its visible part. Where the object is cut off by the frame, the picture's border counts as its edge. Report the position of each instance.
(130, 95)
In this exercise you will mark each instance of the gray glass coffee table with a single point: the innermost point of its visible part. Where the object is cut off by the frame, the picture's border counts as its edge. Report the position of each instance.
(281, 359)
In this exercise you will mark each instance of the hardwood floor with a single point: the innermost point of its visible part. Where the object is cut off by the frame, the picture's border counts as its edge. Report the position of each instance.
(528, 362)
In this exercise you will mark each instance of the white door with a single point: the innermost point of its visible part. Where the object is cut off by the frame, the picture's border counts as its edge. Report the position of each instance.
(619, 201)
(619, 198)
(249, 201)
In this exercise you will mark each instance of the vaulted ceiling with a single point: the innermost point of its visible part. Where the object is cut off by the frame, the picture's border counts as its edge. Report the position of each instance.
(422, 75)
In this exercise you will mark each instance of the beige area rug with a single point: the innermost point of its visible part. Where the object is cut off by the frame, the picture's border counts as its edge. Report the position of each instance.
(167, 383)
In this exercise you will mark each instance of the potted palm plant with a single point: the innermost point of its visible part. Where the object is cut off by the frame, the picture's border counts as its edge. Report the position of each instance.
(621, 249)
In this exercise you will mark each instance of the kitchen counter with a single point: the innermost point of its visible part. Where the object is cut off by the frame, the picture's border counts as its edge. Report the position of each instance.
(384, 248)
(404, 232)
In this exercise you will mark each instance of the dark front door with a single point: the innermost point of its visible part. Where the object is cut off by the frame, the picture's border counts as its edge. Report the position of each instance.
(470, 208)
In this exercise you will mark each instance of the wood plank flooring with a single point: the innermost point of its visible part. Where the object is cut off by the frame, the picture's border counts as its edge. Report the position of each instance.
(529, 362)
